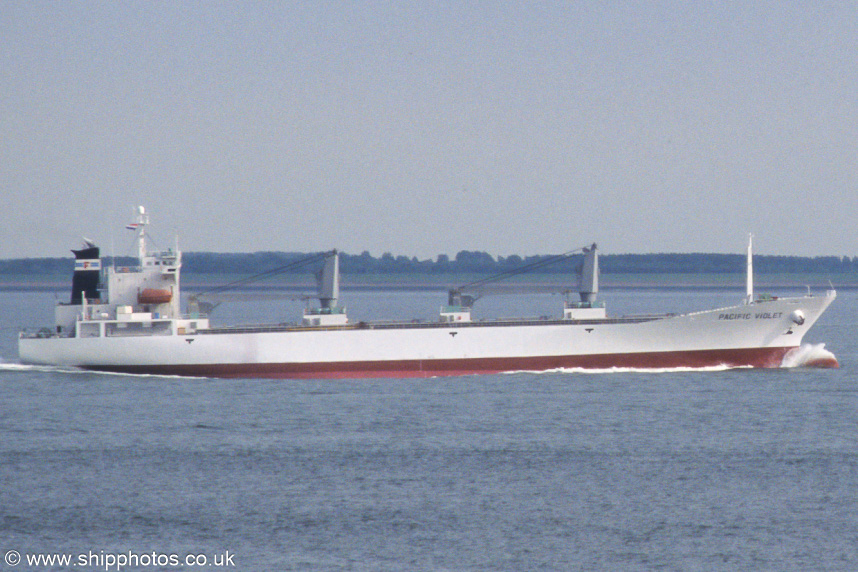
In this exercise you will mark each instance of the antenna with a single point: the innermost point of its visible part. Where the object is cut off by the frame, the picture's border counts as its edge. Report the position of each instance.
(112, 251)
(749, 276)
(141, 222)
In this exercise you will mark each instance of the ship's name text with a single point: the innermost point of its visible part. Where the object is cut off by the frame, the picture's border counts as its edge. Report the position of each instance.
(750, 315)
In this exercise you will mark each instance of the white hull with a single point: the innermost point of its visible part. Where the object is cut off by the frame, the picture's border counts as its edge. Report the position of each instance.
(757, 335)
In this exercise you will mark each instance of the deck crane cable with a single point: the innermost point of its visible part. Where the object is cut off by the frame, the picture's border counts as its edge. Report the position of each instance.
(267, 274)
(455, 293)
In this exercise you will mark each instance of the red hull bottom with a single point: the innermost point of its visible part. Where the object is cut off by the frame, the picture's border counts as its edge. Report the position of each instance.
(824, 363)
(745, 357)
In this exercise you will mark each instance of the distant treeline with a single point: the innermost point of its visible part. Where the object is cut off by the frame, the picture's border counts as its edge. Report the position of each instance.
(469, 262)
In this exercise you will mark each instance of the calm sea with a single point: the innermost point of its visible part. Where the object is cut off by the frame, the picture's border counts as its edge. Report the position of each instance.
(681, 470)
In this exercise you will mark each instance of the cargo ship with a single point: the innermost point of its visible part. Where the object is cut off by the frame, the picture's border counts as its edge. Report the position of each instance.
(130, 320)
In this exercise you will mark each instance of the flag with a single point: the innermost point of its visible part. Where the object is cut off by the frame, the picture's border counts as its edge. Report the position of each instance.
(94, 264)
(132, 226)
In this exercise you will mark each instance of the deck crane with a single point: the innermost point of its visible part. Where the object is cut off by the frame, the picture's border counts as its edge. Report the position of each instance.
(461, 299)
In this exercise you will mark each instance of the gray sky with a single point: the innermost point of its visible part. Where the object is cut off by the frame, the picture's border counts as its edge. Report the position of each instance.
(430, 127)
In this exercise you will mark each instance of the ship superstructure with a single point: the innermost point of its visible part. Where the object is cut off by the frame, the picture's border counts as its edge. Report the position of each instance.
(134, 324)
(125, 301)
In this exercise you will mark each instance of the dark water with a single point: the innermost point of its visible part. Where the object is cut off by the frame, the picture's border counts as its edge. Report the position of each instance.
(716, 470)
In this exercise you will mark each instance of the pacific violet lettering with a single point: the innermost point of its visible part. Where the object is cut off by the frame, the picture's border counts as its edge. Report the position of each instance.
(749, 315)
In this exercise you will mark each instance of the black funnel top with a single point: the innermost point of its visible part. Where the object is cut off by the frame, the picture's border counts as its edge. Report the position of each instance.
(85, 279)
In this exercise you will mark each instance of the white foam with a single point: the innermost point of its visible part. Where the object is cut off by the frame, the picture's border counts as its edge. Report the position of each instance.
(808, 354)
(573, 370)
(21, 367)
(7, 366)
